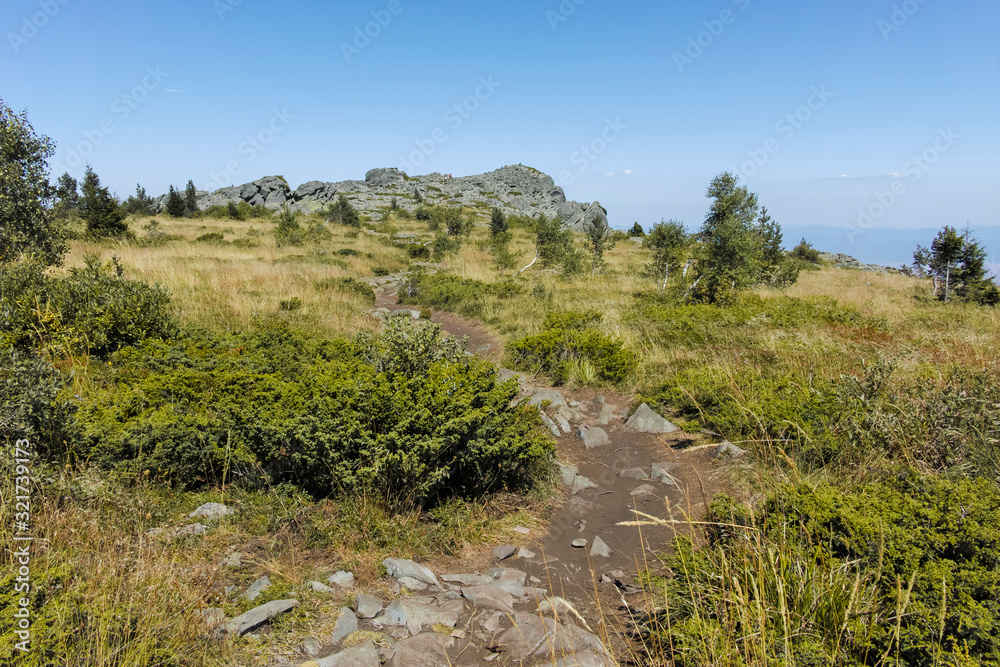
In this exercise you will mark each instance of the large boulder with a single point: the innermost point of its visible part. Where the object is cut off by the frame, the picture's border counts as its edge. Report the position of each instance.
(644, 420)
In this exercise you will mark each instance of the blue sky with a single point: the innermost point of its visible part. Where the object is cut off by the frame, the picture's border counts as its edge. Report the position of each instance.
(663, 95)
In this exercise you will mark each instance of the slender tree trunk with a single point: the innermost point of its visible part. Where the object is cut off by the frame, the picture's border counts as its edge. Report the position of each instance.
(691, 288)
(947, 282)
(666, 276)
(529, 265)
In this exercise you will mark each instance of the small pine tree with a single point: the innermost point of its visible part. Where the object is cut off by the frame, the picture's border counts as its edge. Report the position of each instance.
(99, 209)
(140, 203)
(190, 199)
(498, 222)
(67, 197)
(175, 203)
(599, 240)
(636, 230)
(804, 251)
(343, 213)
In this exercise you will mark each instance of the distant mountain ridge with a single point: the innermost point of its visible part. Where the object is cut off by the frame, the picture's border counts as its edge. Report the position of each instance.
(514, 189)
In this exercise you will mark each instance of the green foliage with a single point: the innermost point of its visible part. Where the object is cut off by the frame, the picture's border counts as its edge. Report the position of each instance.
(554, 246)
(570, 337)
(636, 230)
(140, 204)
(343, 213)
(670, 244)
(958, 261)
(730, 254)
(445, 246)
(407, 414)
(25, 226)
(290, 233)
(498, 247)
(190, 199)
(498, 222)
(32, 404)
(291, 305)
(101, 212)
(599, 240)
(461, 295)
(418, 251)
(175, 206)
(67, 198)
(212, 238)
(805, 252)
(349, 286)
(381, 271)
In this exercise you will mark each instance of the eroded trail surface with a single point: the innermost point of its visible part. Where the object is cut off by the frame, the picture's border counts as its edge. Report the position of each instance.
(554, 596)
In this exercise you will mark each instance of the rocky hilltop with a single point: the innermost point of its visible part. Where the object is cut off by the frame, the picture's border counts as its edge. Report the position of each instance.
(515, 189)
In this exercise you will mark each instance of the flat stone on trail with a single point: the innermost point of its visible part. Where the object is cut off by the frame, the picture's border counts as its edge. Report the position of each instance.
(729, 449)
(342, 579)
(258, 616)
(367, 606)
(633, 473)
(427, 650)
(398, 567)
(504, 552)
(489, 597)
(644, 490)
(581, 483)
(568, 473)
(646, 421)
(412, 584)
(212, 511)
(662, 472)
(529, 634)
(363, 655)
(415, 614)
(580, 543)
(256, 588)
(600, 548)
(525, 553)
(347, 623)
(467, 579)
(555, 399)
(551, 425)
(592, 436)
(521, 530)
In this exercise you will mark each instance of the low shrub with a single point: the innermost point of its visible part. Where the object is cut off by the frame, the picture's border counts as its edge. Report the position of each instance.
(349, 286)
(213, 238)
(461, 295)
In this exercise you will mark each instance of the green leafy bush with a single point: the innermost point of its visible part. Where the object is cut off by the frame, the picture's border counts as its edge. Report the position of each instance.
(570, 337)
(406, 414)
(461, 295)
(32, 405)
(213, 238)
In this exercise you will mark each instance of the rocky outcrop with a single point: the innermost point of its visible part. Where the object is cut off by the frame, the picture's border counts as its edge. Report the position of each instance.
(842, 261)
(514, 189)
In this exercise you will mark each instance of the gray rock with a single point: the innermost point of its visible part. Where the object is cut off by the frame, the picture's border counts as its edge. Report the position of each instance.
(525, 553)
(491, 621)
(644, 490)
(233, 560)
(367, 606)
(662, 472)
(467, 579)
(347, 623)
(427, 650)
(600, 548)
(606, 415)
(563, 424)
(729, 449)
(211, 511)
(599, 400)
(592, 436)
(581, 483)
(256, 588)
(489, 597)
(414, 614)
(580, 543)
(504, 552)
(342, 579)
(398, 567)
(258, 616)
(551, 425)
(644, 420)
(568, 473)
(529, 634)
(191, 529)
(311, 647)
(412, 584)
(521, 530)
(363, 655)
(553, 397)
(319, 587)
(633, 473)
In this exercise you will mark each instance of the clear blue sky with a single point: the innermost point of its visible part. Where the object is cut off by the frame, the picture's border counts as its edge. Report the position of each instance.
(227, 66)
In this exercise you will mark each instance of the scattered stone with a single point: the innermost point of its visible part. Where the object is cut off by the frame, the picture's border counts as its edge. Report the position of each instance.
(551, 425)
(633, 473)
(606, 415)
(563, 424)
(414, 614)
(212, 511)
(489, 597)
(233, 560)
(427, 650)
(347, 623)
(661, 471)
(599, 400)
(644, 420)
(363, 655)
(256, 588)
(319, 587)
(213, 618)
(367, 606)
(729, 449)
(592, 436)
(525, 553)
(504, 552)
(581, 483)
(483, 349)
(191, 529)
(568, 473)
(311, 647)
(412, 584)
(554, 398)
(258, 616)
(467, 579)
(600, 548)
(644, 490)
(342, 579)
(529, 634)
(398, 567)
(521, 530)
(580, 543)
